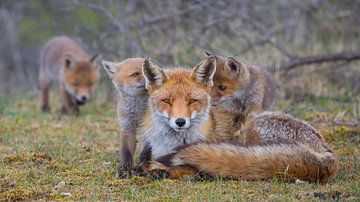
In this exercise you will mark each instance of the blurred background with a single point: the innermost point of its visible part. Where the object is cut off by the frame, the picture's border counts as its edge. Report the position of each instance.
(312, 47)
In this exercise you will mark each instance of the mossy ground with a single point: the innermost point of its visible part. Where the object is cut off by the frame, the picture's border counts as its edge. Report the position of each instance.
(49, 156)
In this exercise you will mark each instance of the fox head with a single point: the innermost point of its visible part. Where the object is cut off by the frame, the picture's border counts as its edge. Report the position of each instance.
(230, 79)
(179, 98)
(127, 75)
(80, 77)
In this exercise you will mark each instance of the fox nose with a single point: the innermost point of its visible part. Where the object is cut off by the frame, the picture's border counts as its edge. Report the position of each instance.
(83, 98)
(180, 122)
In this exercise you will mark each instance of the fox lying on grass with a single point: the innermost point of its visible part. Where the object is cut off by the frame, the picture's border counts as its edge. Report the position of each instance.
(177, 127)
(131, 102)
(62, 60)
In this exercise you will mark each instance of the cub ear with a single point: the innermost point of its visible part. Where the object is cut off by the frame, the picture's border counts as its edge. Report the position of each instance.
(109, 67)
(153, 74)
(69, 61)
(204, 72)
(235, 67)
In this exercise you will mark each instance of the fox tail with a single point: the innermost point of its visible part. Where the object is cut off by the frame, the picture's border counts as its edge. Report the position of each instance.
(289, 161)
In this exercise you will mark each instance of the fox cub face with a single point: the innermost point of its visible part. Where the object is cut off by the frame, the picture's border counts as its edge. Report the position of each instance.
(230, 80)
(179, 98)
(80, 78)
(127, 75)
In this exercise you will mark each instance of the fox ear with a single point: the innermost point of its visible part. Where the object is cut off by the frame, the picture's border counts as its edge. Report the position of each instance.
(204, 72)
(208, 53)
(109, 67)
(153, 74)
(235, 67)
(95, 60)
(69, 61)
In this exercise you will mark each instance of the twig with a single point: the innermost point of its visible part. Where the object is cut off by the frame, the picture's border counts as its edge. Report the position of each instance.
(316, 59)
(267, 34)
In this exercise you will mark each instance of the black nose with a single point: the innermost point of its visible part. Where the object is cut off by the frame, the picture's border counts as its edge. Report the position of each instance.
(180, 122)
(83, 98)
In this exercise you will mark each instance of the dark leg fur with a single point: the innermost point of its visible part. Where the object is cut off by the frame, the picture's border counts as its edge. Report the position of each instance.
(44, 96)
(126, 155)
(144, 158)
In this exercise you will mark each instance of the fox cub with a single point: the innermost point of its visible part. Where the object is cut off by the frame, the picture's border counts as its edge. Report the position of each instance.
(131, 102)
(239, 90)
(242, 89)
(62, 60)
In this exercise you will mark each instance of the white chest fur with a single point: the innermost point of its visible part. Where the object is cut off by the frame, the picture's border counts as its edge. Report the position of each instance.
(164, 140)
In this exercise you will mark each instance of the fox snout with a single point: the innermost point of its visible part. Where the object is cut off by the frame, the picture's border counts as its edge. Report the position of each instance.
(179, 123)
(82, 98)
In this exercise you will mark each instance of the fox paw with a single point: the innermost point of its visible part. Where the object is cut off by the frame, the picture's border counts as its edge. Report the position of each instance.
(123, 172)
(141, 169)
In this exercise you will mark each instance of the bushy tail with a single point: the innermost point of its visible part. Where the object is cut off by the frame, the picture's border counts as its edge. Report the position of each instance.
(289, 161)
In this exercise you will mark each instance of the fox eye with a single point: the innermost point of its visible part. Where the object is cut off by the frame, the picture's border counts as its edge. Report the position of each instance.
(135, 74)
(192, 101)
(167, 101)
(75, 83)
(222, 87)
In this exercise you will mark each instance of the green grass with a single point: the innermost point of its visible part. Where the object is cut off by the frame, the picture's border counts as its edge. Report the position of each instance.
(49, 156)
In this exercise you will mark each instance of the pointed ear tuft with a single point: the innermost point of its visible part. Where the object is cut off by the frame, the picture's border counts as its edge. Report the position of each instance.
(208, 53)
(153, 74)
(204, 72)
(95, 60)
(235, 67)
(109, 67)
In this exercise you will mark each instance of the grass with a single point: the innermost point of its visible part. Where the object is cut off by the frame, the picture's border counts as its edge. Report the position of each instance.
(52, 157)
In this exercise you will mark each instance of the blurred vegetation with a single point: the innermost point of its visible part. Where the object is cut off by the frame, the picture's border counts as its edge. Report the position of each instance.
(177, 32)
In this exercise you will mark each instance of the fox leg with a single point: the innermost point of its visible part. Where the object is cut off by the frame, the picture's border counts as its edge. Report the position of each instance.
(44, 86)
(145, 154)
(68, 105)
(144, 159)
(128, 145)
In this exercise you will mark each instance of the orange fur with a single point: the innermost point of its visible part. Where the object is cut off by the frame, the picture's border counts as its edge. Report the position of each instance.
(287, 161)
(178, 110)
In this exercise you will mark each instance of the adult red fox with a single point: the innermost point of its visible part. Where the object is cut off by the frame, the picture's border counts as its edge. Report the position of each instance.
(62, 60)
(178, 108)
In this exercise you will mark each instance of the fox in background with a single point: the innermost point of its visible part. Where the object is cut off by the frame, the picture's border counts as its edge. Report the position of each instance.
(131, 102)
(62, 60)
(280, 145)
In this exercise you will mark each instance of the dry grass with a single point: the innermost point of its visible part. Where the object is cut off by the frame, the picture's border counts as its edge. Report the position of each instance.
(48, 156)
